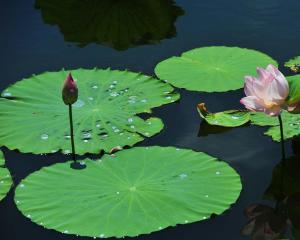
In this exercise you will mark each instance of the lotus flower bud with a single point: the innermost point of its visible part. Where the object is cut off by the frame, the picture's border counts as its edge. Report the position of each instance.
(70, 90)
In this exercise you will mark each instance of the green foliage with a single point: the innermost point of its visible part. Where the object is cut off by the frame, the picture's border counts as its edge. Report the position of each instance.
(293, 64)
(291, 124)
(212, 69)
(120, 23)
(133, 192)
(294, 89)
(5, 178)
(33, 117)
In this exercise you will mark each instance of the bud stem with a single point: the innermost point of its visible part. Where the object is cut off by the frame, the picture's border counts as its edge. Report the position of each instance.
(72, 132)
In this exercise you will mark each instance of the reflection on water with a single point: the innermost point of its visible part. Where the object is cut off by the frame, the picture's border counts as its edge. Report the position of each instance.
(283, 218)
(117, 23)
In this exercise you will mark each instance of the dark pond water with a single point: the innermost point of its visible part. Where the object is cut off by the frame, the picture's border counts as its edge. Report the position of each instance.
(33, 42)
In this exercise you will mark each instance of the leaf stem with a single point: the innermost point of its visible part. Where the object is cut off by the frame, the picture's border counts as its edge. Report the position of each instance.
(72, 132)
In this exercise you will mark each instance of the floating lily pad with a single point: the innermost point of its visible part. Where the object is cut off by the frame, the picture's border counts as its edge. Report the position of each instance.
(137, 191)
(293, 64)
(33, 117)
(229, 118)
(291, 124)
(5, 178)
(212, 69)
(120, 24)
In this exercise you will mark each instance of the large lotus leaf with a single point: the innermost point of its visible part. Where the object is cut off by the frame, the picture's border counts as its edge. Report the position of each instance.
(293, 64)
(291, 124)
(33, 117)
(137, 191)
(119, 23)
(212, 69)
(5, 178)
(229, 118)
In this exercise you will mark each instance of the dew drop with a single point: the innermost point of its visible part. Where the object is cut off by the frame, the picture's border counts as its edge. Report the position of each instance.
(79, 103)
(183, 175)
(67, 136)
(67, 151)
(7, 94)
(114, 94)
(44, 136)
(86, 135)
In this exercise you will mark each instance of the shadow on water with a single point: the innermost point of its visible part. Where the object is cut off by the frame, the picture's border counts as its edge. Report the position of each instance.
(120, 24)
(281, 218)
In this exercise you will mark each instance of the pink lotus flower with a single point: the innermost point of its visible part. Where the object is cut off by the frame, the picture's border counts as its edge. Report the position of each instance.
(267, 93)
(70, 90)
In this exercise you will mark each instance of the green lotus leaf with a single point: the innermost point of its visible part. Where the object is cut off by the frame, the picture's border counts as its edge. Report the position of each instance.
(293, 64)
(120, 23)
(5, 178)
(294, 89)
(33, 117)
(291, 124)
(229, 118)
(212, 69)
(136, 191)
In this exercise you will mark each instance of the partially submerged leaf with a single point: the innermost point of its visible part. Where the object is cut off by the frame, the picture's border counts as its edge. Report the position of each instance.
(33, 117)
(136, 191)
(230, 118)
(212, 69)
(236, 118)
(5, 178)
